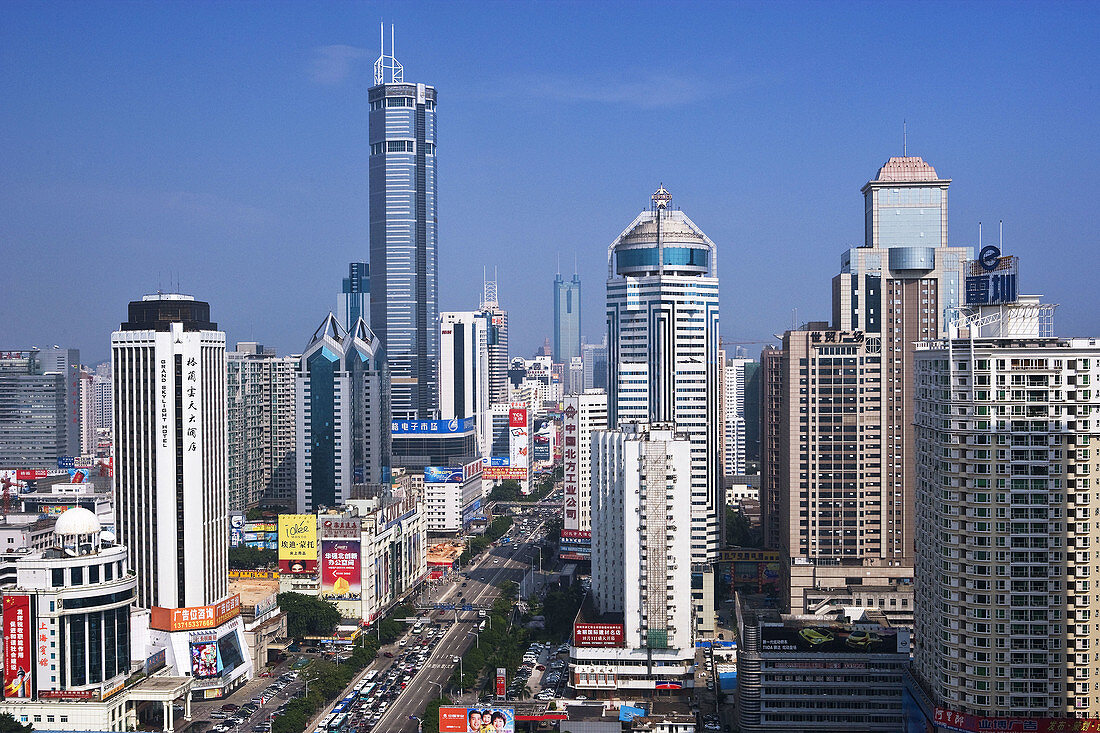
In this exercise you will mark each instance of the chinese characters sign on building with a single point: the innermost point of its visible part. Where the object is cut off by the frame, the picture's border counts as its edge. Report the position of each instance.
(605, 635)
(570, 427)
(18, 643)
(340, 574)
(297, 543)
(195, 617)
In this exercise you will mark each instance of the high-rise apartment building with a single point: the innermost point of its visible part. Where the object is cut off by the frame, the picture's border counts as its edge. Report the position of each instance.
(844, 463)
(262, 463)
(170, 450)
(736, 375)
(404, 308)
(773, 457)
(342, 415)
(1006, 453)
(641, 570)
(662, 323)
(353, 302)
(582, 415)
(34, 414)
(567, 318)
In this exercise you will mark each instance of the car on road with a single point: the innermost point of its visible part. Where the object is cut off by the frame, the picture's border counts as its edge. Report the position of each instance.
(230, 707)
(218, 715)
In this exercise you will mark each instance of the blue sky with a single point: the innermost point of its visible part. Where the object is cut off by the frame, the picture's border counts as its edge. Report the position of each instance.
(224, 145)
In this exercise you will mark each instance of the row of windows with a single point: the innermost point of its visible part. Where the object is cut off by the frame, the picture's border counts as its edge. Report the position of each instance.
(400, 146)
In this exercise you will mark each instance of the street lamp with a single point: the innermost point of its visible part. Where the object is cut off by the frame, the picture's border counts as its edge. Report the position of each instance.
(419, 723)
(477, 640)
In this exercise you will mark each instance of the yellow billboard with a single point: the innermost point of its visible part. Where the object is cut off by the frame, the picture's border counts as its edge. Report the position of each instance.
(297, 543)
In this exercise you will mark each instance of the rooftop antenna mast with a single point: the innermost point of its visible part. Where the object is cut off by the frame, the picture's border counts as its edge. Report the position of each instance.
(904, 139)
(387, 63)
(489, 293)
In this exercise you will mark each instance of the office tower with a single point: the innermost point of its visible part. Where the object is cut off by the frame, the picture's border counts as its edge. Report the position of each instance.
(583, 414)
(86, 393)
(641, 572)
(1006, 454)
(662, 323)
(464, 371)
(567, 318)
(845, 456)
(574, 381)
(736, 374)
(772, 452)
(498, 342)
(67, 363)
(34, 416)
(404, 309)
(170, 453)
(262, 463)
(594, 357)
(104, 399)
(342, 414)
(353, 302)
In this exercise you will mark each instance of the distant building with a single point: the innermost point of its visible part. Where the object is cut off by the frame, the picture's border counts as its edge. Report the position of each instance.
(342, 414)
(464, 370)
(567, 318)
(736, 375)
(67, 362)
(498, 342)
(353, 302)
(36, 420)
(103, 395)
(262, 462)
(594, 359)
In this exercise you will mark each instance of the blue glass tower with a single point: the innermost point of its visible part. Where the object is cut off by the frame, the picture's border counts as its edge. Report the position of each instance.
(404, 308)
(353, 302)
(567, 318)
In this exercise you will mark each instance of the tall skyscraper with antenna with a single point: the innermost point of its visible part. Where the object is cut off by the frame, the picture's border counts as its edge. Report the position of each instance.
(404, 307)
(498, 342)
(567, 318)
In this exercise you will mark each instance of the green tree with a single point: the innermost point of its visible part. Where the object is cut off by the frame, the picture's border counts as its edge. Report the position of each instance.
(308, 615)
(739, 532)
(506, 490)
(8, 724)
(250, 558)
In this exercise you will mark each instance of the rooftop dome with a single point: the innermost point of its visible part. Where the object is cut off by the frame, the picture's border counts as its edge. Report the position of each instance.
(908, 168)
(77, 520)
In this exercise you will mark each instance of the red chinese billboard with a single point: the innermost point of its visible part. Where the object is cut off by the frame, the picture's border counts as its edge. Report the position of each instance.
(966, 723)
(341, 578)
(502, 473)
(598, 635)
(517, 417)
(18, 644)
(502, 681)
(570, 456)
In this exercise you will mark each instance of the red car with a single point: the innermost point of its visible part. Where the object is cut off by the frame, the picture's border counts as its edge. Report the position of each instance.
(265, 674)
(388, 654)
(230, 707)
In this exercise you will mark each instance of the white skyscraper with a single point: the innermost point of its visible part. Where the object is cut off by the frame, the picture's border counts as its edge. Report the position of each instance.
(170, 455)
(583, 414)
(662, 323)
(464, 370)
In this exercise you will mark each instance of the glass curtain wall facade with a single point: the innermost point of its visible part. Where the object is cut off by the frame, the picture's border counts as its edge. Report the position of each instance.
(567, 319)
(404, 308)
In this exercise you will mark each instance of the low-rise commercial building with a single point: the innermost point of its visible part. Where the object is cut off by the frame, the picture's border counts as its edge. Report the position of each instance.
(806, 673)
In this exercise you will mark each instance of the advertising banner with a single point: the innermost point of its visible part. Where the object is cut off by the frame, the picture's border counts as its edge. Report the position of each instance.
(253, 574)
(501, 681)
(30, 474)
(195, 617)
(495, 461)
(992, 278)
(833, 639)
(627, 713)
(952, 720)
(541, 451)
(598, 635)
(18, 645)
(298, 543)
(205, 662)
(481, 720)
(453, 425)
(501, 473)
(340, 527)
(340, 573)
(443, 474)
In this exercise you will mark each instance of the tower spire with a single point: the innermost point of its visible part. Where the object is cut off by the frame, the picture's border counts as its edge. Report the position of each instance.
(387, 65)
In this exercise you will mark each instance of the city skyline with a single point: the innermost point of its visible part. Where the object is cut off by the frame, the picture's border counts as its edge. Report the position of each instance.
(205, 182)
